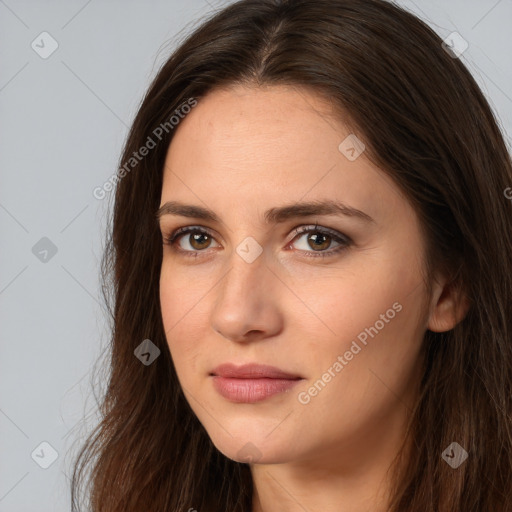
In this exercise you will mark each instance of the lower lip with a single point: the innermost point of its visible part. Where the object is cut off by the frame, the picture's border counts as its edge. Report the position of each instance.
(251, 390)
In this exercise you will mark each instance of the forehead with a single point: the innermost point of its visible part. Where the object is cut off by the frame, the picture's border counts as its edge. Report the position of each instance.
(268, 146)
(259, 117)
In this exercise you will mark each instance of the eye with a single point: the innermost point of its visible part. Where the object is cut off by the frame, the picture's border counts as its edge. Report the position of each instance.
(198, 239)
(318, 239)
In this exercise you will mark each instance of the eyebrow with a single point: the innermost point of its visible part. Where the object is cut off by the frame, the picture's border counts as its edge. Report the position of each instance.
(273, 215)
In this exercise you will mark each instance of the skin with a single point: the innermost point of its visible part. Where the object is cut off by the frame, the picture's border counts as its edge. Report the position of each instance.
(239, 152)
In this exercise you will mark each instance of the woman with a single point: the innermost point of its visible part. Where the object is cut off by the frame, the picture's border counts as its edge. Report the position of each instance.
(311, 275)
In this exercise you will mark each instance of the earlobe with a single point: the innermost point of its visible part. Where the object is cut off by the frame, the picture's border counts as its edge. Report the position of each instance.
(449, 307)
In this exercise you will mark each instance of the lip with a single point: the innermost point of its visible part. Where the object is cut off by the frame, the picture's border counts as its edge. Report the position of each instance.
(252, 371)
(251, 383)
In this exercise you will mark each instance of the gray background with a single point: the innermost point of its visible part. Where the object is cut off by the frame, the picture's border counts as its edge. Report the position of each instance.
(63, 122)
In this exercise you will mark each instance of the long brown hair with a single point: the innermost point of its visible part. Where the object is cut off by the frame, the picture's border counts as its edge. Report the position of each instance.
(424, 122)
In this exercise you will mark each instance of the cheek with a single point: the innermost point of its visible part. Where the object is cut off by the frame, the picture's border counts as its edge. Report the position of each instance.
(180, 295)
(373, 318)
(379, 355)
(339, 305)
(180, 304)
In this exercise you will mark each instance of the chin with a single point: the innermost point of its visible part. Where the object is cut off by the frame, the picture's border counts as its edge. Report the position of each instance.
(252, 449)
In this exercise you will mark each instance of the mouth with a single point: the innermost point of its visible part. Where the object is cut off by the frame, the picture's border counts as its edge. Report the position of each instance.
(251, 383)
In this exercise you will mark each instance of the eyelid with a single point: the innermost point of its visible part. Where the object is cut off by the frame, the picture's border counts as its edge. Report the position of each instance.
(186, 230)
(336, 235)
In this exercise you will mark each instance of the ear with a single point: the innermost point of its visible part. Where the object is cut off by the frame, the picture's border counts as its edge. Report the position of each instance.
(448, 306)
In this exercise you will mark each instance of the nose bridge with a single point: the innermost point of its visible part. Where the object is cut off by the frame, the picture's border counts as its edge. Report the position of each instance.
(245, 300)
(247, 269)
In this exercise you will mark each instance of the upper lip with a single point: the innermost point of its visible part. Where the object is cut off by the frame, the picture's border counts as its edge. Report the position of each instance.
(252, 371)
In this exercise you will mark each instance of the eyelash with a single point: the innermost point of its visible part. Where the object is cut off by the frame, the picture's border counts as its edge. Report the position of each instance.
(337, 237)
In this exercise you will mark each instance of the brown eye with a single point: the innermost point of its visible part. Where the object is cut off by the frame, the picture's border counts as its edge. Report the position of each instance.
(318, 240)
(190, 240)
(199, 240)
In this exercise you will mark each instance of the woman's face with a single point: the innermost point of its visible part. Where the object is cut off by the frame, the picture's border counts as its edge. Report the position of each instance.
(339, 309)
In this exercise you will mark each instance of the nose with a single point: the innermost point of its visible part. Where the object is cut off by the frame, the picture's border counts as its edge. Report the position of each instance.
(248, 303)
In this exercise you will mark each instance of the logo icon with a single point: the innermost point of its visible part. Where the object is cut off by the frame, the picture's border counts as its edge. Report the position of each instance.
(454, 455)
(44, 45)
(249, 249)
(455, 45)
(351, 147)
(44, 455)
(147, 352)
(44, 250)
(249, 453)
